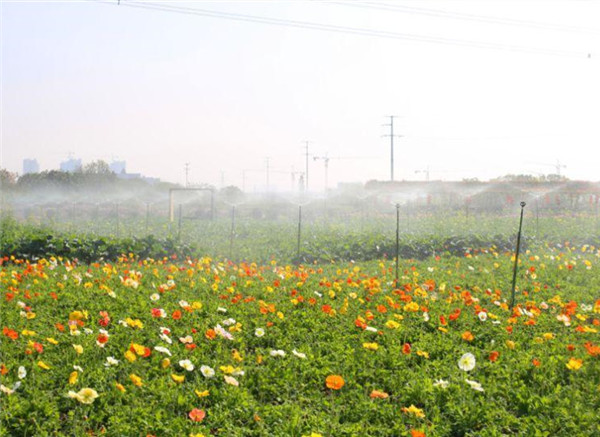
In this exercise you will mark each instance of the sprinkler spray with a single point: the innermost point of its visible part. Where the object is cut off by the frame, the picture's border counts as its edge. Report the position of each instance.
(514, 279)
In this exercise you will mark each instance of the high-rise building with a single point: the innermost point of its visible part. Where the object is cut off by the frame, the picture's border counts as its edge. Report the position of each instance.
(30, 166)
(118, 167)
(71, 165)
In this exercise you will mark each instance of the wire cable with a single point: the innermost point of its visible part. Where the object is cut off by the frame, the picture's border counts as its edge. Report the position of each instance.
(347, 29)
(464, 16)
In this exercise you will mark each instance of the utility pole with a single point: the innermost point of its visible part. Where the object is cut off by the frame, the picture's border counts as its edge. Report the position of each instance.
(187, 171)
(306, 143)
(391, 135)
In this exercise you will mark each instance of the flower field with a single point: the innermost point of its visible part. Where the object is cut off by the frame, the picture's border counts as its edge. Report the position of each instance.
(173, 347)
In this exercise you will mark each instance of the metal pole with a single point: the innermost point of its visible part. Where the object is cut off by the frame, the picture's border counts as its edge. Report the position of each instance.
(392, 147)
(232, 232)
(397, 243)
(299, 231)
(179, 224)
(514, 279)
(171, 206)
(306, 171)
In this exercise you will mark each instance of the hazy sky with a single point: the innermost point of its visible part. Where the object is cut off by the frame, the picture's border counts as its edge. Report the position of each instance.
(159, 88)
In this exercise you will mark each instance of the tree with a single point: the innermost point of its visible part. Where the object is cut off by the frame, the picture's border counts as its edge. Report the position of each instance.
(7, 179)
(232, 194)
(97, 167)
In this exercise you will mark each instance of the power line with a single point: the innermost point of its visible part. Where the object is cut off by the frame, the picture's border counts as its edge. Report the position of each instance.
(465, 16)
(349, 30)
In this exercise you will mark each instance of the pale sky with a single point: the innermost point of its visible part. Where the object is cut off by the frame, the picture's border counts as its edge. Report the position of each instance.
(159, 88)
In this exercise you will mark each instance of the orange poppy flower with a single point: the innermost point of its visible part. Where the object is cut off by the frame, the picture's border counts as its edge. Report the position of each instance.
(334, 382)
(376, 394)
(197, 415)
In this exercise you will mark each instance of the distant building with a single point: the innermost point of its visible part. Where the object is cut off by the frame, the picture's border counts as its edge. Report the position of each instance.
(71, 165)
(30, 166)
(118, 167)
(128, 176)
(137, 176)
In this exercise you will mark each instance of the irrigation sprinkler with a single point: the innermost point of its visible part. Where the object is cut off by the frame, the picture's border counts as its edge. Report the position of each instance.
(232, 236)
(397, 243)
(514, 278)
(299, 232)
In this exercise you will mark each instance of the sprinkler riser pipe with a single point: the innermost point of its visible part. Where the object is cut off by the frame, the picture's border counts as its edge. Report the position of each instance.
(514, 279)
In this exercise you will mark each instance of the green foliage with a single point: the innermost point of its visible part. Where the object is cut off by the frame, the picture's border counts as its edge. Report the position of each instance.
(287, 395)
(32, 243)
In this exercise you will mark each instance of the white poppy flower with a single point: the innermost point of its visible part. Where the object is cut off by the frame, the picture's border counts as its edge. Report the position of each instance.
(299, 354)
(207, 371)
(111, 361)
(187, 365)
(441, 383)
(474, 385)
(162, 350)
(467, 362)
